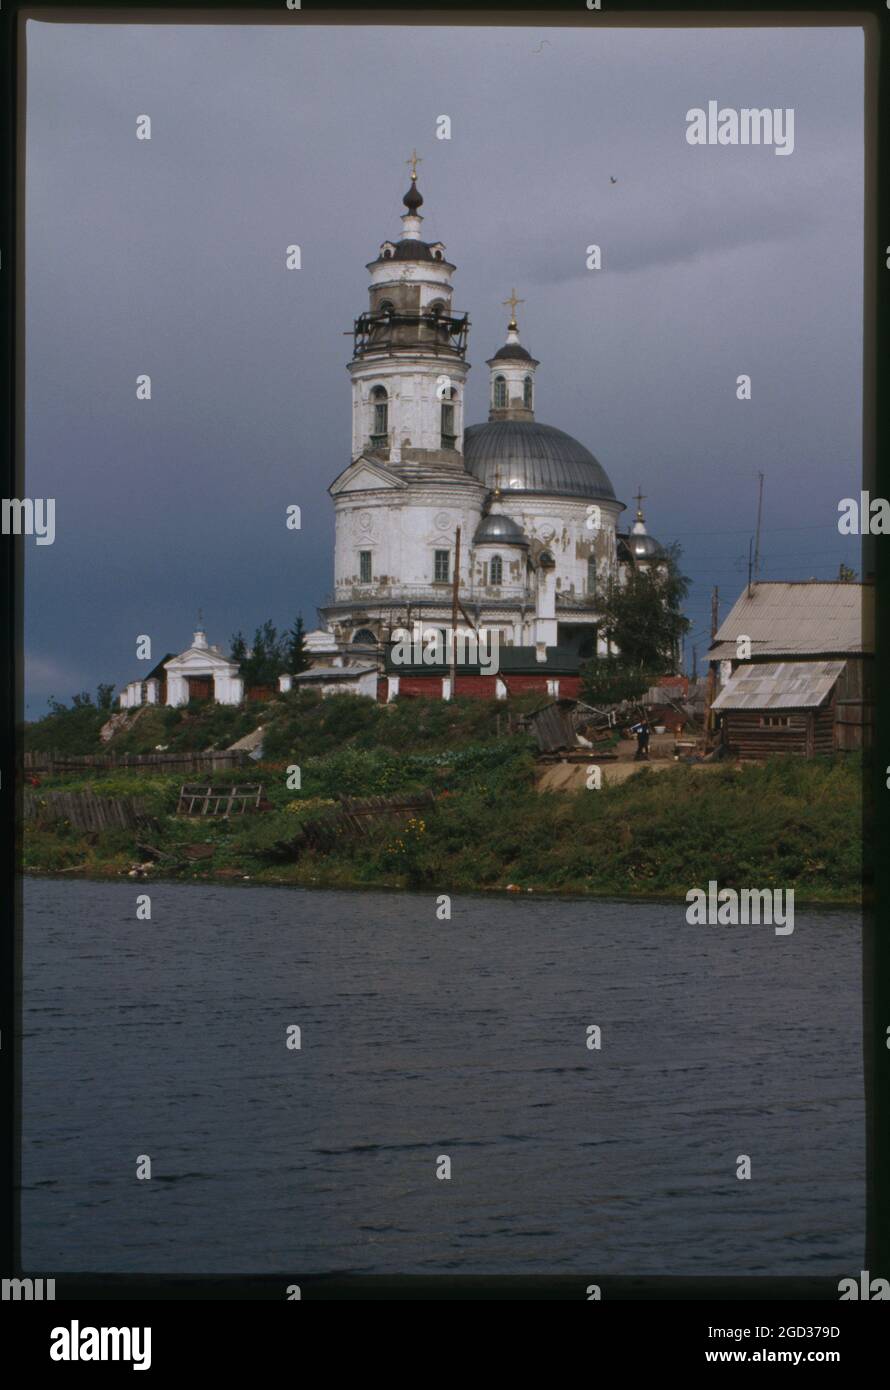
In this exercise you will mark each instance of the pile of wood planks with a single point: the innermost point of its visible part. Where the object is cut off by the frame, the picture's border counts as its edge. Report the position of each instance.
(354, 816)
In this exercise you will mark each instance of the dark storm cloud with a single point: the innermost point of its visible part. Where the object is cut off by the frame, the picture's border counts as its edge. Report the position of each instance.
(167, 257)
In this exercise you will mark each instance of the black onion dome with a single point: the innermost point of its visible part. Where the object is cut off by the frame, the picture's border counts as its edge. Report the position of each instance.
(413, 199)
(512, 352)
(410, 250)
(525, 456)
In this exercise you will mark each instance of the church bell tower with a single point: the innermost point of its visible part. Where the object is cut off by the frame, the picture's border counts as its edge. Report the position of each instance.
(409, 364)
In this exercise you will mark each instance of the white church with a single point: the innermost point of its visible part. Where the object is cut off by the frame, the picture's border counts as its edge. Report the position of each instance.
(537, 513)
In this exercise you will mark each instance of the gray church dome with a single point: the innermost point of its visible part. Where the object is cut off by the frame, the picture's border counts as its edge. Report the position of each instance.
(496, 529)
(638, 547)
(525, 456)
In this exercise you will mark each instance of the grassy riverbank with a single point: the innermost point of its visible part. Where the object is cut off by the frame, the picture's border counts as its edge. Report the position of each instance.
(787, 824)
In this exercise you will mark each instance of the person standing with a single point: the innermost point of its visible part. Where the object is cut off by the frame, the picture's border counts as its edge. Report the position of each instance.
(641, 729)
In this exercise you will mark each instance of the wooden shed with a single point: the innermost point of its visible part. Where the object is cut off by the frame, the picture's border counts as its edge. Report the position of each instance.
(803, 707)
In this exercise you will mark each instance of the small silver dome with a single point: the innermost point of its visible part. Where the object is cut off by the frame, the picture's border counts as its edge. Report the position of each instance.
(496, 529)
(639, 547)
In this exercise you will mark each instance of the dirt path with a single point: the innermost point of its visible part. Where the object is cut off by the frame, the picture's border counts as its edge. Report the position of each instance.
(572, 777)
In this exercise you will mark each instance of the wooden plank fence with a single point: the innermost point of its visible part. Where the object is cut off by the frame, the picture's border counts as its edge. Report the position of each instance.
(213, 761)
(86, 811)
(229, 800)
(354, 816)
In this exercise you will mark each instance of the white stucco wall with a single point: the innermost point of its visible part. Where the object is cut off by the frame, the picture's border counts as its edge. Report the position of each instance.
(402, 529)
(414, 407)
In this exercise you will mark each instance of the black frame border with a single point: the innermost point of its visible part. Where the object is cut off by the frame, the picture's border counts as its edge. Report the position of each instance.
(874, 18)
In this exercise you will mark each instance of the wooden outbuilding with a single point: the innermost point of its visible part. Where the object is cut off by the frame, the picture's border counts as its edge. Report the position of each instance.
(802, 707)
(793, 663)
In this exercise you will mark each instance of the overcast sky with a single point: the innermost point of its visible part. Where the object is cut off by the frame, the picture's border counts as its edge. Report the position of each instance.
(167, 257)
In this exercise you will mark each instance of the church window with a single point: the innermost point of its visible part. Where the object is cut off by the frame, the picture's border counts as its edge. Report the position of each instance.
(500, 392)
(380, 417)
(496, 570)
(442, 566)
(449, 437)
(364, 637)
(364, 566)
(591, 574)
(527, 393)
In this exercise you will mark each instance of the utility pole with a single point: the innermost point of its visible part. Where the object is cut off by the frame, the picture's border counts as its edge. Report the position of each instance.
(757, 545)
(712, 666)
(455, 603)
(750, 564)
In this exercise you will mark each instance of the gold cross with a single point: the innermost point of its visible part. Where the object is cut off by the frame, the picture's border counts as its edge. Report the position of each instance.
(414, 161)
(513, 301)
(640, 499)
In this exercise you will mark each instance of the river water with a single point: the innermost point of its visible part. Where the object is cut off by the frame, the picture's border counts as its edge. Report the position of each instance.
(421, 1039)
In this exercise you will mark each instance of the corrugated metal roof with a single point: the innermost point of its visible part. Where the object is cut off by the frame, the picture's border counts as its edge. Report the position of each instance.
(779, 685)
(788, 619)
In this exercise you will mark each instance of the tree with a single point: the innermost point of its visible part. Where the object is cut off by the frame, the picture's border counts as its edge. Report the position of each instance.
(297, 657)
(641, 618)
(609, 681)
(846, 575)
(105, 695)
(266, 660)
(238, 651)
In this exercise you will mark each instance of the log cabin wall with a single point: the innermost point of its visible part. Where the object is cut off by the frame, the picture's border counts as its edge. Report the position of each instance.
(748, 737)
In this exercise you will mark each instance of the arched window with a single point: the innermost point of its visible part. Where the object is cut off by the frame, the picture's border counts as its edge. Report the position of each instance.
(500, 393)
(591, 574)
(364, 637)
(385, 308)
(496, 570)
(447, 426)
(527, 393)
(379, 417)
